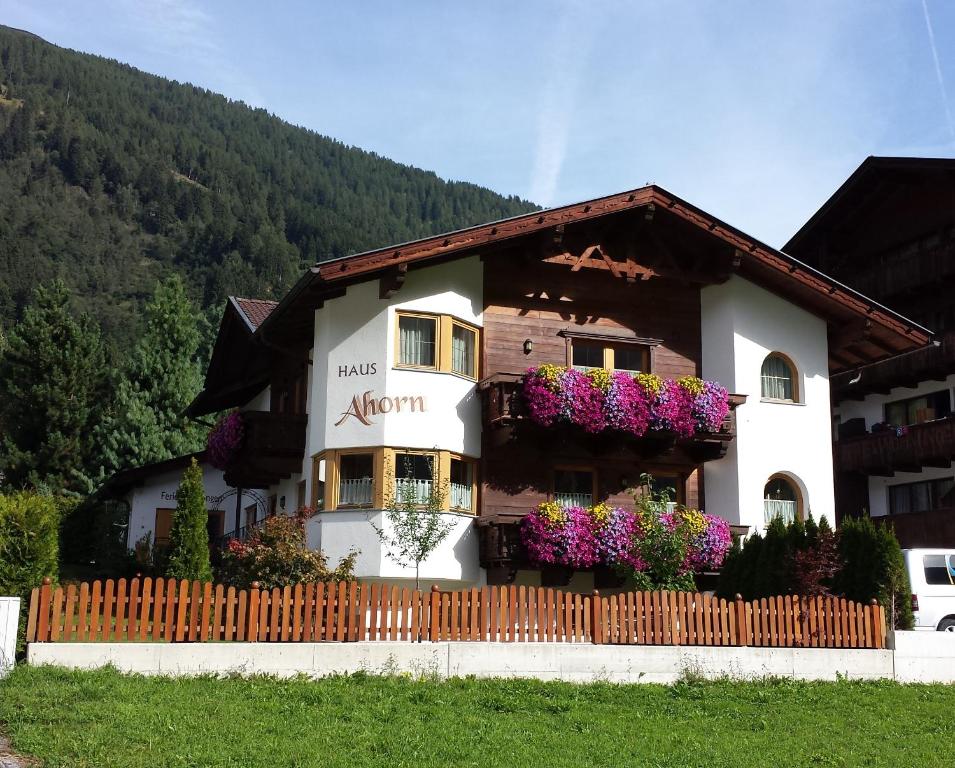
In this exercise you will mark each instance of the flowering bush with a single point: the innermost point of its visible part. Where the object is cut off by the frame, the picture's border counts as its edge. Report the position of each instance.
(224, 439)
(557, 536)
(597, 400)
(276, 555)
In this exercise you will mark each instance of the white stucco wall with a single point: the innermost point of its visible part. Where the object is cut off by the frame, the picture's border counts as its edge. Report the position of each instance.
(159, 492)
(741, 324)
(354, 354)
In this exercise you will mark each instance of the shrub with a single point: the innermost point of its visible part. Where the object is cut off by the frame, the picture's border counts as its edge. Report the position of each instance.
(276, 555)
(29, 541)
(189, 536)
(873, 567)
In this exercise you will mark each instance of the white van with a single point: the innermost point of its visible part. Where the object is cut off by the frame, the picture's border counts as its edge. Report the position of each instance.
(932, 576)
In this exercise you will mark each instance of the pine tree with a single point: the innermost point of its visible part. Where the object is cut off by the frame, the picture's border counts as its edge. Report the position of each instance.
(189, 536)
(53, 379)
(146, 421)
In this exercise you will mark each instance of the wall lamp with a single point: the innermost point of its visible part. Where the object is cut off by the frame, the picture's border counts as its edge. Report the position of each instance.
(528, 346)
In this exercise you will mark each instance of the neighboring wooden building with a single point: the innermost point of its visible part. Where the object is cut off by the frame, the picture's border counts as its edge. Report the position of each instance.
(376, 363)
(889, 231)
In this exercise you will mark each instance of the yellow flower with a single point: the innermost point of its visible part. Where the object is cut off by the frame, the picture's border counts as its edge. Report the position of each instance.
(650, 382)
(691, 384)
(693, 520)
(601, 512)
(551, 373)
(553, 512)
(600, 378)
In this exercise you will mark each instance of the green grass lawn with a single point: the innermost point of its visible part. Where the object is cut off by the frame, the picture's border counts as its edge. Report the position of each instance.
(107, 719)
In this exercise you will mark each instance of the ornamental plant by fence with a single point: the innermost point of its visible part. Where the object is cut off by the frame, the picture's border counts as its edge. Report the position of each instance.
(161, 611)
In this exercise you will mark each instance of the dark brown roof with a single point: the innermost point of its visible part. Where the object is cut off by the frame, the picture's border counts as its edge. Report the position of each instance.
(254, 311)
(887, 332)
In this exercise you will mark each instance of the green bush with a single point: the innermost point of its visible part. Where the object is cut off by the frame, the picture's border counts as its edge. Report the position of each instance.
(29, 541)
(189, 536)
(873, 567)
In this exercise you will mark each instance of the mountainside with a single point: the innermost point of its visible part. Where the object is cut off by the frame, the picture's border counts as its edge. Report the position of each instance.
(110, 178)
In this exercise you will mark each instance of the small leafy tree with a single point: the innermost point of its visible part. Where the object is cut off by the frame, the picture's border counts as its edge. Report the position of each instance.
(413, 526)
(29, 541)
(276, 554)
(189, 536)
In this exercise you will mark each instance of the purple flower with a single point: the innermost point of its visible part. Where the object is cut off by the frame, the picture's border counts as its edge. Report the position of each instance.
(224, 439)
(627, 405)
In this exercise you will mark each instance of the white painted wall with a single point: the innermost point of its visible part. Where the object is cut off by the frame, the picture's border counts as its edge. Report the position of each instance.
(159, 492)
(741, 324)
(358, 330)
(573, 662)
(9, 621)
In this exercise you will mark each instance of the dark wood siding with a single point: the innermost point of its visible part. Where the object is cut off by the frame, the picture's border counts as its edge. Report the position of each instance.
(531, 300)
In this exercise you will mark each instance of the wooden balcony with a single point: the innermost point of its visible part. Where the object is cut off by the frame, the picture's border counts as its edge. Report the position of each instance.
(884, 453)
(931, 363)
(933, 528)
(272, 449)
(503, 411)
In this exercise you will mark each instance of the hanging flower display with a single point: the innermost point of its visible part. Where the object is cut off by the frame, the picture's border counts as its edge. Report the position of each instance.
(224, 439)
(653, 538)
(598, 400)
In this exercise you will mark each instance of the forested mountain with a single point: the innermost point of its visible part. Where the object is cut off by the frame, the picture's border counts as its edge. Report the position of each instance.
(111, 178)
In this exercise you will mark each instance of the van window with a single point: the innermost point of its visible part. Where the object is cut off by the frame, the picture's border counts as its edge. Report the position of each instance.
(939, 569)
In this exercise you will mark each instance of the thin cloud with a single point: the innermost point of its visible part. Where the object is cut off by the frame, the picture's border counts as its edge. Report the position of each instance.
(569, 53)
(938, 71)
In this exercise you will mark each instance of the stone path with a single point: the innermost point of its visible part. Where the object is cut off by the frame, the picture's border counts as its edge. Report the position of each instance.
(9, 759)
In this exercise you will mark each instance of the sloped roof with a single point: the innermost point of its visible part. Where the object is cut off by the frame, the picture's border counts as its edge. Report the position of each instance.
(254, 311)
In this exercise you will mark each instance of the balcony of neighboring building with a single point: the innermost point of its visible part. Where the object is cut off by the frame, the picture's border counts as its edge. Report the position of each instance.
(889, 449)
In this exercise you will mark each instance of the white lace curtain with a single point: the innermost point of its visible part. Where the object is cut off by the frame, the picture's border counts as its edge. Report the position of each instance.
(416, 340)
(777, 379)
(462, 351)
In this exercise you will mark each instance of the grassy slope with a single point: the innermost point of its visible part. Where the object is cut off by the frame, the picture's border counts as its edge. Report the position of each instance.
(106, 719)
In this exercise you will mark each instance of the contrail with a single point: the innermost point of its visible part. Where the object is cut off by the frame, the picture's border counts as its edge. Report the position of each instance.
(938, 70)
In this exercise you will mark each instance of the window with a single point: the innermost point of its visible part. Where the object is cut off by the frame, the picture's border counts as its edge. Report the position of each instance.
(939, 569)
(574, 487)
(417, 341)
(781, 499)
(163, 527)
(462, 485)
(631, 358)
(356, 479)
(250, 515)
(414, 476)
(437, 342)
(922, 496)
(668, 485)
(463, 345)
(918, 410)
(778, 379)
(319, 475)
(586, 355)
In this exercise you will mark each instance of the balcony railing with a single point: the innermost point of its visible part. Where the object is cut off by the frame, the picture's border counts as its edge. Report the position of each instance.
(355, 492)
(906, 450)
(503, 408)
(781, 508)
(461, 496)
(932, 528)
(412, 488)
(272, 449)
(574, 499)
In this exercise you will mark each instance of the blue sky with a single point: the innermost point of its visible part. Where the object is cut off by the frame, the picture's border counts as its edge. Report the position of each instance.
(754, 111)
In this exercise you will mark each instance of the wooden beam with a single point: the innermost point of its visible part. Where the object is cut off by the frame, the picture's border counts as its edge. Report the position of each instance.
(390, 283)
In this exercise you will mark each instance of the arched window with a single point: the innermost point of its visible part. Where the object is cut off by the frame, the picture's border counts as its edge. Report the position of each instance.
(781, 498)
(778, 379)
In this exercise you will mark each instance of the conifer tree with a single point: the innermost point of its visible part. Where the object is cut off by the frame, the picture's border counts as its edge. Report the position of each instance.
(189, 536)
(146, 422)
(53, 379)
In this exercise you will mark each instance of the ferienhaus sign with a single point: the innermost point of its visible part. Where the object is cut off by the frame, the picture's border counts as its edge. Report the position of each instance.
(363, 407)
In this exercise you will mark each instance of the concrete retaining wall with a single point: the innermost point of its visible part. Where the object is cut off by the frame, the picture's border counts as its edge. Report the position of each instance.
(546, 661)
(9, 618)
(923, 657)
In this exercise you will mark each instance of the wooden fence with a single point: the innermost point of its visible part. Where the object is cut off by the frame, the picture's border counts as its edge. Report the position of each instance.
(182, 611)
